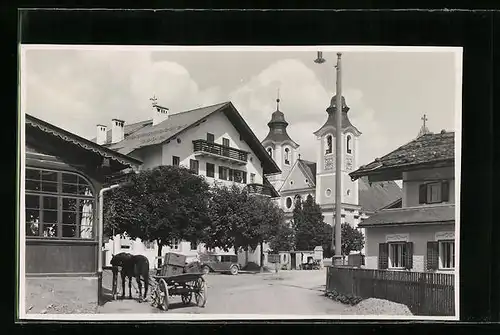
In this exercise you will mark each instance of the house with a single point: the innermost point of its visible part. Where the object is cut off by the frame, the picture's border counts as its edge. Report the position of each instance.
(299, 177)
(417, 234)
(214, 142)
(62, 178)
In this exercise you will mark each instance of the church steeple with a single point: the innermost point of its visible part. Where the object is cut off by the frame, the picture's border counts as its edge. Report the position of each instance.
(277, 126)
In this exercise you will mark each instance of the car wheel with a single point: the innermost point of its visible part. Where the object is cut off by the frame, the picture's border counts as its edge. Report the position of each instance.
(234, 270)
(205, 269)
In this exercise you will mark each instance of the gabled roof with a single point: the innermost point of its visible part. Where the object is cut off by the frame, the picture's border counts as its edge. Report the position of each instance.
(428, 150)
(84, 143)
(377, 195)
(144, 134)
(308, 169)
(438, 214)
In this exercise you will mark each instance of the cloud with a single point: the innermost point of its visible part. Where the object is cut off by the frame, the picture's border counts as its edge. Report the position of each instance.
(89, 87)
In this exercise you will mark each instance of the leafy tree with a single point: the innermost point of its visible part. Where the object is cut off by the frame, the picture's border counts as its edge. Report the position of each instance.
(310, 228)
(163, 204)
(352, 239)
(283, 238)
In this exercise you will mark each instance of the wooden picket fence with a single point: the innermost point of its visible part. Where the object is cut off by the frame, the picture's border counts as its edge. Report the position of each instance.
(425, 293)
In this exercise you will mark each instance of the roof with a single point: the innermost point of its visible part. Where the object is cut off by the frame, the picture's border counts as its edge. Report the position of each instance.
(277, 129)
(332, 117)
(308, 169)
(81, 142)
(428, 150)
(377, 195)
(143, 134)
(438, 214)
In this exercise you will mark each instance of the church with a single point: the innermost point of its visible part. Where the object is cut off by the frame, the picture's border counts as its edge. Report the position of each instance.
(300, 178)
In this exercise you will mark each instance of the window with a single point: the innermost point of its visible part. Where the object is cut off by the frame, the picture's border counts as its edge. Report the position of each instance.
(210, 138)
(329, 140)
(288, 202)
(175, 244)
(435, 192)
(210, 170)
(223, 173)
(194, 246)
(328, 192)
(225, 142)
(287, 156)
(194, 166)
(149, 244)
(176, 161)
(270, 151)
(226, 145)
(58, 205)
(349, 144)
(252, 178)
(396, 258)
(447, 254)
(239, 176)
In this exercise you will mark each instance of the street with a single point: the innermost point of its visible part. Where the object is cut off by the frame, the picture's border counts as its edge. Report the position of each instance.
(288, 292)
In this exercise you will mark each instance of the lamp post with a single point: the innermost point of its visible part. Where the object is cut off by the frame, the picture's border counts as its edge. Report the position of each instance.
(337, 232)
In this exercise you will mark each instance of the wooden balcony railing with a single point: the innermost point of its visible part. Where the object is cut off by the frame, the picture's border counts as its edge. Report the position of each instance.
(259, 189)
(203, 146)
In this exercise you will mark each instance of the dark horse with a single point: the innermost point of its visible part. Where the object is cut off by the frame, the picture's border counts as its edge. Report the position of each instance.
(130, 266)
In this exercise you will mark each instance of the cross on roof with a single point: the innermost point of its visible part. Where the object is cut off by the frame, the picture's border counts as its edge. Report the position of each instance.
(424, 118)
(278, 100)
(153, 99)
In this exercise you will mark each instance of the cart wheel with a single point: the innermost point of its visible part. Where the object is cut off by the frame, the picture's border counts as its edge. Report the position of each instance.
(200, 294)
(162, 295)
(186, 298)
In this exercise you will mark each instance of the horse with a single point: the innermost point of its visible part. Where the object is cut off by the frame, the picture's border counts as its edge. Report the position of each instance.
(130, 266)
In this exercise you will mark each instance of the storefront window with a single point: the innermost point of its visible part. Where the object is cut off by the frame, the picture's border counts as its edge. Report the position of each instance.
(58, 205)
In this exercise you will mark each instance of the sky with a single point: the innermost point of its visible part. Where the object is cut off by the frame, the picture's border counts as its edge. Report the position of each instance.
(387, 92)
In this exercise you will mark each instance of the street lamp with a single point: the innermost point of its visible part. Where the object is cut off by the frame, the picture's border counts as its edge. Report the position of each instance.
(337, 232)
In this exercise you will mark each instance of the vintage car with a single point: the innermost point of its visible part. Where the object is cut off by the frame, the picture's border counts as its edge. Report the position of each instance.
(221, 263)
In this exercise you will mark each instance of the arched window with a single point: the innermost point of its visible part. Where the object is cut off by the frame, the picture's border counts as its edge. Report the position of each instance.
(349, 144)
(287, 156)
(270, 152)
(59, 204)
(329, 140)
(288, 203)
(297, 198)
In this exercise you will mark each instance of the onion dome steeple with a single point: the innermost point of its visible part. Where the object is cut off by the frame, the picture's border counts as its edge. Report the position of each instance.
(332, 115)
(277, 126)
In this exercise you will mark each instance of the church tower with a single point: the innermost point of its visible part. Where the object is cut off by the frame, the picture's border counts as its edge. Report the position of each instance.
(280, 146)
(325, 172)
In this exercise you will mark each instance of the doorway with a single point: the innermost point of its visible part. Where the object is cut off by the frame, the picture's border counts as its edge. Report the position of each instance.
(293, 261)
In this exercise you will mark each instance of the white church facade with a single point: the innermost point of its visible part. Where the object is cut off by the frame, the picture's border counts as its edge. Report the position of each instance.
(300, 178)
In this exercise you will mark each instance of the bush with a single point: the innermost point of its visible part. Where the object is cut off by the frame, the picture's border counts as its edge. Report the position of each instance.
(348, 299)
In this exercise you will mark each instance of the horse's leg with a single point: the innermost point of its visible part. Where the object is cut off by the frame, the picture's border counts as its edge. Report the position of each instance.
(139, 284)
(130, 287)
(123, 285)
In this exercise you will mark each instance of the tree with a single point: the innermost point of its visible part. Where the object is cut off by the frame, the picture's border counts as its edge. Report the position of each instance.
(283, 238)
(352, 239)
(310, 229)
(163, 204)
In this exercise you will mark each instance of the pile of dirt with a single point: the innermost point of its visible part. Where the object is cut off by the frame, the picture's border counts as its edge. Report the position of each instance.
(373, 306)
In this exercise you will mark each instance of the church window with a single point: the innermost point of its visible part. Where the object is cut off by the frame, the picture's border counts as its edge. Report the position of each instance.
(288, 202)
(270, 152)
(287, 156)
(349, 144)
(329, 140)
(328, 192)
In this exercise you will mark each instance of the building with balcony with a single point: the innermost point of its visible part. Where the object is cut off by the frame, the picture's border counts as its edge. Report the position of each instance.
(214, 142)
(419, 234)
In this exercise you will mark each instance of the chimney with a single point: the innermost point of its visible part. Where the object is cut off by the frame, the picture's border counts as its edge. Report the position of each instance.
(101, 134)
(160, 114)
(117, 130)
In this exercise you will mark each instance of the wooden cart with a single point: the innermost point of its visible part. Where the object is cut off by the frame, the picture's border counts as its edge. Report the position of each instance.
(177, 278)
(186, 285)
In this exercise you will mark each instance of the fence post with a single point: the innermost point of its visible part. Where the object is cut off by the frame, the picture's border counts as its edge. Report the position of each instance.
(421, 294)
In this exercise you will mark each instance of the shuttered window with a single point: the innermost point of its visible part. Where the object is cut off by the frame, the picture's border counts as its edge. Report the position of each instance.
(408, 256)
(432, 255)
(430, 193)
(383, 256)
(194, 166)
(210, 170)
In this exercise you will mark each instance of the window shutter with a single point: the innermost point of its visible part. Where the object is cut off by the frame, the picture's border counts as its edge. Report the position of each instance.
(244, 177)
(409, 255)
(221, 172)
(445, 191)
(422, 194)
(230, 175)
(432, 255)
(383, 256)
